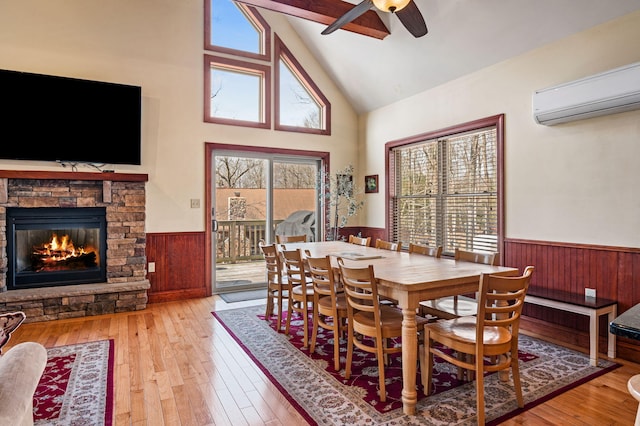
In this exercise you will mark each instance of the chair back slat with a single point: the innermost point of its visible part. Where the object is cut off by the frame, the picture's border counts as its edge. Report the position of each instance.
(501, 300)
(295, 267)
(388, 245)
(360, 288)
(291, 239)
(486, 258)
(361, 241)
(273, 263)
(322, 274)
(425, 250)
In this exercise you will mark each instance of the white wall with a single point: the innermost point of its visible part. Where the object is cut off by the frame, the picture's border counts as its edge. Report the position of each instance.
(576, 182)
(157, 44)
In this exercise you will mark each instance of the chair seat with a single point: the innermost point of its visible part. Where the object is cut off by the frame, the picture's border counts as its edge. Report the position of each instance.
(325, 302)
(299, 289)
(391, 319)
(449, 307)
(463, 330)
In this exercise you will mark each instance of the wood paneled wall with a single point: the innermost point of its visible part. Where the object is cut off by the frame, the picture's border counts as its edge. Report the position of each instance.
(613, 271)
(179, 266)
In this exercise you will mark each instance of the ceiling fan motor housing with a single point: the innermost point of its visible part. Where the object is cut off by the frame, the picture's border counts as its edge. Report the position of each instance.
(390, 5)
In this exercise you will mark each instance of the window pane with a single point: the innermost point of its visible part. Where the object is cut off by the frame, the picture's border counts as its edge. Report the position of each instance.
(235, 95)
(232, 29)
(447, 192)
(297, 106)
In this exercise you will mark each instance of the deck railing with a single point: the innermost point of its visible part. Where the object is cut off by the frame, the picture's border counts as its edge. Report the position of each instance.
(239, 240)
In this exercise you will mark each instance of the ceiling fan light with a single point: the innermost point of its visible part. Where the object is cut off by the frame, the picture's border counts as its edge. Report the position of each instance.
(390, 5)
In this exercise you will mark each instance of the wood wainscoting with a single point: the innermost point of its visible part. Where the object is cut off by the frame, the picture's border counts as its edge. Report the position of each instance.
(180, 267)
(180, 273)
(613, 271)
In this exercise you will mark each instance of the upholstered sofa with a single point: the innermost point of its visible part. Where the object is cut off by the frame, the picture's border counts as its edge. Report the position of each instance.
(20, 371)
(21, 368)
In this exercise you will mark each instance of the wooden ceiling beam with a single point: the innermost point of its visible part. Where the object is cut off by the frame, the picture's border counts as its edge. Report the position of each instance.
(325, 12)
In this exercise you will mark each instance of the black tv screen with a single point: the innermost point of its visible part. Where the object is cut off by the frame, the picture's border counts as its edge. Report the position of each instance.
(49, 118)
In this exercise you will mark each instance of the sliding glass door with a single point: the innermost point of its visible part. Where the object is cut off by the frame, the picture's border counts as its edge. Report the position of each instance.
(256, 195)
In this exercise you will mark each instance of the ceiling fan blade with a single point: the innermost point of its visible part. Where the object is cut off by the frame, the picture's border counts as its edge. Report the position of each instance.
(351, 15)
(412, 19)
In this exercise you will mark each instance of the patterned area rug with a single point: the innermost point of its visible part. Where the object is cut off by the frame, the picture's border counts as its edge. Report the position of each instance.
(323, 396)
(76, 387)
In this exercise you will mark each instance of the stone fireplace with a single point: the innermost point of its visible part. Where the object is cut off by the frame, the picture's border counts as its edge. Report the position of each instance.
(120, 286)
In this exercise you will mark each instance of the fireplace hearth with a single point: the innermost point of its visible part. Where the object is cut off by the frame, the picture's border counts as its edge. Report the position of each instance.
(55, 246)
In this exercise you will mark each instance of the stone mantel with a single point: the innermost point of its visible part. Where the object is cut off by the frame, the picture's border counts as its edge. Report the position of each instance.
(35, 174)
(106, 179)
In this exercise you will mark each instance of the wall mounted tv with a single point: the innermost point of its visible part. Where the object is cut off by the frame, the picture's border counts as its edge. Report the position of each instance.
(48, 118)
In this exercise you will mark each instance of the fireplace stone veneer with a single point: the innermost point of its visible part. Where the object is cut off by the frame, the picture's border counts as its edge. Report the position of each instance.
(123, 196)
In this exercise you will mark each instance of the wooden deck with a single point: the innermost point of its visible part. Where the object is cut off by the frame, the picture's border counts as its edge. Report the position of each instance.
(240, 276)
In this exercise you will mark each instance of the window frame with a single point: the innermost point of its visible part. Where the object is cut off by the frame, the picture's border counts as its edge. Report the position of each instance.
(496, 121)
(233, 59)
(240, 66)
(258, 22)
(283, 54)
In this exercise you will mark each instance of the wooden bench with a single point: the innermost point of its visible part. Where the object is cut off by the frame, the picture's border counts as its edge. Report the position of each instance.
(593, 307)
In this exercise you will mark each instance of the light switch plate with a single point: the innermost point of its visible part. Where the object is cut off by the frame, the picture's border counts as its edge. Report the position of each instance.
(151, 267)
(195, 203)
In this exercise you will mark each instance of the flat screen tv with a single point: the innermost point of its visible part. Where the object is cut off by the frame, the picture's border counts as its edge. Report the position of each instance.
(49, 118)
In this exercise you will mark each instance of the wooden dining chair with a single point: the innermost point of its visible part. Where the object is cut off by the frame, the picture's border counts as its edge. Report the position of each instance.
(388, 245)
(488, 340)
(367, 318)
(425, 250)
(301, 290)
(278, 286)
(361, 241)
(329, 304)
(281, 239)
(457, 306)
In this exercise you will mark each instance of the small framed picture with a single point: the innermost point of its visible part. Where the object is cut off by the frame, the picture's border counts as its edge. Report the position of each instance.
(370, 184)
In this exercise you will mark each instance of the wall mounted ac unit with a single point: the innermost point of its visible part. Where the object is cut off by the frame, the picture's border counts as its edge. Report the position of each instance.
(610, 92)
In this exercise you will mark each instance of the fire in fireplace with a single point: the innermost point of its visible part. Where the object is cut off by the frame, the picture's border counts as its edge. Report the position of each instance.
(55, 246)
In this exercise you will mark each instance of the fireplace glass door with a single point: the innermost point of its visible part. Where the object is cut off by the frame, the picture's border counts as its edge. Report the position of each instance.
(55, 246)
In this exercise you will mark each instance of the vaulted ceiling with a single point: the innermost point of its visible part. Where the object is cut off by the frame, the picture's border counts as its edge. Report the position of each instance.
(376, 61)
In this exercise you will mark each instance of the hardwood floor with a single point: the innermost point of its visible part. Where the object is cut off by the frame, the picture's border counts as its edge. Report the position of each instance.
(175, 365)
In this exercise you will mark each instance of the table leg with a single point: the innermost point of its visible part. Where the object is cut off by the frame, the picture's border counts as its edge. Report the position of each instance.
(611, 346)
(593, 337)
(409, 361)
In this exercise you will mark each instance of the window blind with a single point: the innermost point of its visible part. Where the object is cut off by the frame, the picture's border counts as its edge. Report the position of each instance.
(445, 192)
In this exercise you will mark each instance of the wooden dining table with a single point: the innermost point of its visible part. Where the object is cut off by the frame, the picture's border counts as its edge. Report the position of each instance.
(408, 278)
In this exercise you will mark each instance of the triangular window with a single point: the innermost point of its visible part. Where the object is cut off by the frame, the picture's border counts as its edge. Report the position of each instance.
(300, 105)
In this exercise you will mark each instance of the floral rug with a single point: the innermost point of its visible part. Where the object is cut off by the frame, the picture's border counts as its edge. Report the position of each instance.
(76, 387)
(324, 397)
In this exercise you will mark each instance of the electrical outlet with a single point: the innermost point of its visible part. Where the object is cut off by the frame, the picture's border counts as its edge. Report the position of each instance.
(151, 267)
(195, 203)
(589, 292)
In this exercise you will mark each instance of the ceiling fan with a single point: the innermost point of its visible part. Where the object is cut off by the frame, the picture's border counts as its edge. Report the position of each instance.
(406, 11)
